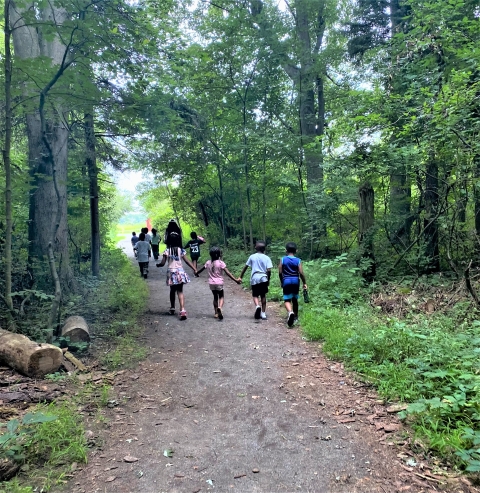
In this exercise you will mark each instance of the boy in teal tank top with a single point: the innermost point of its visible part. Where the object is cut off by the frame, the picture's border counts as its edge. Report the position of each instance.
(290, 270)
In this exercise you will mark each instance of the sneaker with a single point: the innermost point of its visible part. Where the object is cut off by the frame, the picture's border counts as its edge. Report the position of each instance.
(263, 316)
(183, 315)
(172, 310)
(258, 310)
(145, 276)
(291, 319)
(216, 315)
(219, 313)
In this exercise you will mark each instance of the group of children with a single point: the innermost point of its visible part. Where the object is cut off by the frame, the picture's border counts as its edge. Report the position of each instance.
(144, 245)
(290, 271)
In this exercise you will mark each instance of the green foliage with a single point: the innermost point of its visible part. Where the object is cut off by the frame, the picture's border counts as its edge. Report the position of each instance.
(60, 442)
(14, 486)
(334, 282)
(431, 363)
(12, 442)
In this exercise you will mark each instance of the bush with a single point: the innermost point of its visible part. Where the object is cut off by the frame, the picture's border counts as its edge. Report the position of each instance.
(334, 282)
(432, 363)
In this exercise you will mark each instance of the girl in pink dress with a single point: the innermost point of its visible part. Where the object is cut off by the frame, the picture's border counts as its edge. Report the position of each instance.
(176, 275)
(215, 268)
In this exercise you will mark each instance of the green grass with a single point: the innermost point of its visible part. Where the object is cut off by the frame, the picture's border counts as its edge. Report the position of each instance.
(50, 449)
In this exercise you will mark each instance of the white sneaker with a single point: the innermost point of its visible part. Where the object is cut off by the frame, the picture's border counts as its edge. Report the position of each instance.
(263, 316)
(291, 319)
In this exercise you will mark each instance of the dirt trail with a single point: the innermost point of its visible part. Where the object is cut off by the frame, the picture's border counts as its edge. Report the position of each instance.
(234, 397)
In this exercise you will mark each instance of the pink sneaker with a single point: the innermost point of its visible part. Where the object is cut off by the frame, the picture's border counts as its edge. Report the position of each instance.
(183, 315)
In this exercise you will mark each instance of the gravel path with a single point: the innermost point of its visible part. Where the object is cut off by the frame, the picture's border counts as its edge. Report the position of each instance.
(242, 406)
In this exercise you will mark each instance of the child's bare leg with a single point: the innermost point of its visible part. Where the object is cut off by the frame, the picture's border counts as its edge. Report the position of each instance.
(295, 306)
(181, 300)
(256, 301)
(194, 262)
(264, 303)
(215, 301)
(221, 299)
(172, 297)
(288, 306)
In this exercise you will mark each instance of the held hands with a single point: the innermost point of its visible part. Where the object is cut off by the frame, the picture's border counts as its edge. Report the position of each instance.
(238, 280)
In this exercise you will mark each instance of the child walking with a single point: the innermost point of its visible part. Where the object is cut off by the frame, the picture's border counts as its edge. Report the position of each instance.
(134, 240)
(214, 267)
(176, 275)
(290, 270)
(142, 249)
(155, 242)
(194, 245)
(261, 266)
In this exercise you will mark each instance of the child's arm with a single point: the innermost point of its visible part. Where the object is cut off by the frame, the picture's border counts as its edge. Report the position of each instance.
(185, 259)
(245, 267)
(162, 263)
(302, 276)
(280, 272)
(269, 274)
(231, 276)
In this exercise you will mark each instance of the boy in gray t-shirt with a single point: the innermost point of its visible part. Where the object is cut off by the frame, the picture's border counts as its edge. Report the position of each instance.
(261, 266)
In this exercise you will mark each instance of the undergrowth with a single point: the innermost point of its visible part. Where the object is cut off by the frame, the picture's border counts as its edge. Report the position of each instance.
(49, 451)
(430, 361)
(112, 305)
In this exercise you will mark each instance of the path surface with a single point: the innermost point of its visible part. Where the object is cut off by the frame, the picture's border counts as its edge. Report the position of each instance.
(234, 397)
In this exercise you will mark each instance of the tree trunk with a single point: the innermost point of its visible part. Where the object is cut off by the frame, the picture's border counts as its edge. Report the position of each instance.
(476, 191)
(366, 220)
(462, 201)
(400, 196)
(28, 357)
(7, 163)
(91, 163)
(430, 220)
(222, 202)
(46, 205)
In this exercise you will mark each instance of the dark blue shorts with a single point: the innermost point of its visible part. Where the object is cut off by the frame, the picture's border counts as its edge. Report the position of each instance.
(290, 291)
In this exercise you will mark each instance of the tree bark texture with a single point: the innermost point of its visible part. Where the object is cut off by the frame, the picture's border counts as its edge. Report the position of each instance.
(6, 161)
(28, 357)
(431, 199)
(29, 43)
(366, 221)
(76, 329)
(91, 163)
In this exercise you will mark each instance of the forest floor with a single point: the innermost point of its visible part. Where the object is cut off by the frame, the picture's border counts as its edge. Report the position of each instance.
(240, 405)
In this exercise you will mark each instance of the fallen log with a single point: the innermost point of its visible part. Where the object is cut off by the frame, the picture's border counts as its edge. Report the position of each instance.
(28, 357)
(76, 362)
(76, 329)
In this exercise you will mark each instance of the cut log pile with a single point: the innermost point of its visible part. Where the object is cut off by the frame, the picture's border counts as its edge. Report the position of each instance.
(76, 329)
(38, 359)
(28, 357)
